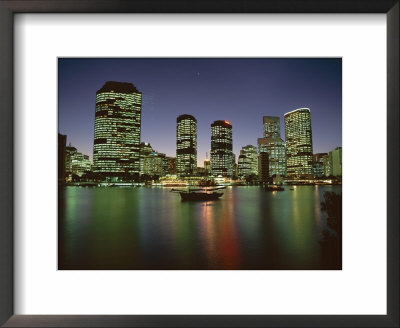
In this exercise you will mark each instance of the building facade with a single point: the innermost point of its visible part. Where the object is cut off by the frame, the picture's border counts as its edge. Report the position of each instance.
(275, 147)
(186, 145)
(272, 126)
(319, 161)
(76, 162)
(248, 161)
(263, 168)
(221, 149)
(116, 147)
(335, 159)
(299, 148)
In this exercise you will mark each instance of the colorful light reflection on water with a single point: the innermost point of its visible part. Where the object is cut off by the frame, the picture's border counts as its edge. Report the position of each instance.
(151, 228)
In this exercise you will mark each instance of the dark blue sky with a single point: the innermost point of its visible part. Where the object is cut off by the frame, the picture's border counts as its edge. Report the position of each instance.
(238, 90)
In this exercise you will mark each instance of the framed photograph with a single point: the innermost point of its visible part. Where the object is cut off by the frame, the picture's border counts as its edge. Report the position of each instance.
(184, 164)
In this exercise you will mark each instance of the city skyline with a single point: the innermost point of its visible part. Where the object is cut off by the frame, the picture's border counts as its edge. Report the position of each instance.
(217, 96)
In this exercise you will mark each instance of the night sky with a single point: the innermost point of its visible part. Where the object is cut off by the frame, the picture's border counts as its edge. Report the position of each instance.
(238, 90)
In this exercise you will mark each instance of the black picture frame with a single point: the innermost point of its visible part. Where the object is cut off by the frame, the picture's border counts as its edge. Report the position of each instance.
(10, 7)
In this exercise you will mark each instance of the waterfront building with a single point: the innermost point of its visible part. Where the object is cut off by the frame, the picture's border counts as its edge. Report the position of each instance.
(62, 143)
(275, 147)
(249, 161)
(186, 145)
(207, 166)
(221, 149)
(272, 126)
(335, 160)
(145, 150)
(171, 165)
(318, 164)
(299, 149)
(244, 166)
(263, 168)
(76, 162)
(117, 129)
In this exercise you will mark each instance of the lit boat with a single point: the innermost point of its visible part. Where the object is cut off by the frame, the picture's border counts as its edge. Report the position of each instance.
(200, 194)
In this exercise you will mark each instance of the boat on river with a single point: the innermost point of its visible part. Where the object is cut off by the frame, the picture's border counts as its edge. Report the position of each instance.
(199, 194)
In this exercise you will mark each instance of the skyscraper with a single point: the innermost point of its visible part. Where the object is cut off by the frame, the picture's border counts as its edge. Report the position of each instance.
(221, 149)
(273, 145)
(117, 129)
(272, 126)
(186, 145)
(335, 159)
(299, 149)
(248, 161)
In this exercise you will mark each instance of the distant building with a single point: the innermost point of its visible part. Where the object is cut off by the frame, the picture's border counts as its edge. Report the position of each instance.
(335, 159)
(272, 126)
(221, 149)
(145, 150)
(263, 168)
(275, 147)
(117, 129)
(248, 161)
(62, 143)
(299, 148)
(186, 145)
(152, 163)
(319, 165)
(207, 166)
(75, 162)
(171, 165)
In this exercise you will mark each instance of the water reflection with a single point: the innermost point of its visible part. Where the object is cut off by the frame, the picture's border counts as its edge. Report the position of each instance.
(150, 228)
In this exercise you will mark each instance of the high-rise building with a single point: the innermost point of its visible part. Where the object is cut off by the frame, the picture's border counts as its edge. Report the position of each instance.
(335, 159)
(272, 126)
(186, 145)
(318, 164)
(299, 148)
(263, 168)
(171, 165)
(221, 149)
(117, 129)
(248, 161)
(275, 147)
(75, 162)
(207, 166)
(145, 150)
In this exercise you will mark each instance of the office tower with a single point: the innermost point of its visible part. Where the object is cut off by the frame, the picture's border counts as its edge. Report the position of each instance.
(299, 149)
(335, 160)
(249, 161)
(207, 166)
(273, 145)
(171, 165)
(263, 168)
(145, 150)
(221, 149)
(75, 162)
(272, 126)
(318, 165)
(186, 145)
(117, 129)
(62, 143)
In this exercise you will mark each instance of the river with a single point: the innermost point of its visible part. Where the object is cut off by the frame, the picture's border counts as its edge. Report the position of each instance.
(108, 228)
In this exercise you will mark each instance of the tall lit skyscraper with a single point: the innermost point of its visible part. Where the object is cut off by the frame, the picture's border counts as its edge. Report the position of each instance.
(248, 161)
(117, 129)
(335, 159)
(273, 145)
(299, 149)
(272, 126)
(221, 149)
(186, 145)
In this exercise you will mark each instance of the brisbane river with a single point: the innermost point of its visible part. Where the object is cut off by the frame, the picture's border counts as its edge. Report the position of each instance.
(149, 228)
